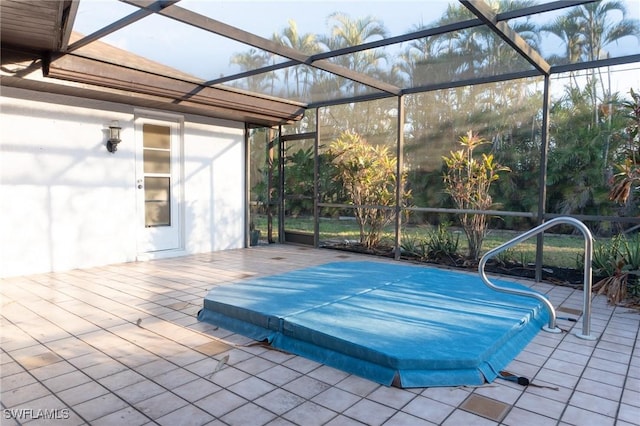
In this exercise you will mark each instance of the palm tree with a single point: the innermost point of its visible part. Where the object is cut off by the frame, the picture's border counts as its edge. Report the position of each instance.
(597, 29)
(346, 32)
(306, 43)
(587, 29)
(251, 60)
(568, 30)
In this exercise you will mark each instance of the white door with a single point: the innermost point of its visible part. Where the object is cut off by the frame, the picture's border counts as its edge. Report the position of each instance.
(158, 184)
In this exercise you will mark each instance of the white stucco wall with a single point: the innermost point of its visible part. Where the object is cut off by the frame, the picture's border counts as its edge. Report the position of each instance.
(66, 202)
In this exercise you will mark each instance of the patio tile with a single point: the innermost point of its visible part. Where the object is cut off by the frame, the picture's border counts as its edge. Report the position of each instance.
(279, 375)
(99, 407)
(564, 366)
(248, 414)
(468, 419)
(254, 365)
(279, 401)
(428, 409)
(633, 384)
(336, 399)
(392, 397)
(16, 381)
(300, 364)
(156, 368)
(66, 381)
(125, 416)
(251, 388)
(403, 419)
(595, 403)
(220, 403)
(629, 414)
(121, 379)
(502, 392)
(520, 417)
(52, 370)
(631, 397)
(160, 405)
(188, 415)
(579, 416)
(357, 385)
(306, 387)
(196, 389)
(213, 347)
(104, 369)
(139, 391)
(449, 396)
(225, 377)
(557, 378)
(31, 362)
(114, 369)
(599, 389)
(603, 376)
(547, 406)
(370, 412)
(174, 378)
(23, 394)
(82, 393)
(309, 414)
(328, 374)
(608, 365)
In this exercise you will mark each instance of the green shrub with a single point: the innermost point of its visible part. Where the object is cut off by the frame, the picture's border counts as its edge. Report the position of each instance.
(618, 260)
(414, 246)
(442, 243)
(468, 181)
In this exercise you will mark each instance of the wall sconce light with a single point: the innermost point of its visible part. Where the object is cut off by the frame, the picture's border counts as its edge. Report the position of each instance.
(114, 137)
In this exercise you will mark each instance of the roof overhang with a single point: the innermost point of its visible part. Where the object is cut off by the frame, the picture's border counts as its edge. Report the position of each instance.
(35, 39)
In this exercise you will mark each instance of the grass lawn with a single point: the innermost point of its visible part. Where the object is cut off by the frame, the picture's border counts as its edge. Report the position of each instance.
(559, 250)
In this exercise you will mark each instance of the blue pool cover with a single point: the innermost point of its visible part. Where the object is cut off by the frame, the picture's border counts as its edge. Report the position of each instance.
(406, 325)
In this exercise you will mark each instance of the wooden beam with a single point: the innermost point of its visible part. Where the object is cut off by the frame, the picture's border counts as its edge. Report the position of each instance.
(176, 91)
(486, 15)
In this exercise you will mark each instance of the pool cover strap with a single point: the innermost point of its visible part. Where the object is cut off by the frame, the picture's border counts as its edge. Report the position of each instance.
(521, 380)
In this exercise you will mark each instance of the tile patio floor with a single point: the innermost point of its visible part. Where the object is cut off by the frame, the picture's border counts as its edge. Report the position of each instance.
(121, 345)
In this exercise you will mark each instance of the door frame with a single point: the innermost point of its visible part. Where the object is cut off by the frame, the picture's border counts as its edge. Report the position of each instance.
(176, 123)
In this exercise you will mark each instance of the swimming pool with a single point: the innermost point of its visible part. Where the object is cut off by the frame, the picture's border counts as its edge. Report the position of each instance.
(406, 325)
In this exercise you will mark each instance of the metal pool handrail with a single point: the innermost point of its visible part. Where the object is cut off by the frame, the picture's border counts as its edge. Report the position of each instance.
(588, 254)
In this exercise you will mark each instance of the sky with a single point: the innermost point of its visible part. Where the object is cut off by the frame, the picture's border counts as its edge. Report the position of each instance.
(157, 36)
(208, 56)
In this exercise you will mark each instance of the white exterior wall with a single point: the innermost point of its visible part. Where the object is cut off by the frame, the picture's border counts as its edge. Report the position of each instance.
(66, 202)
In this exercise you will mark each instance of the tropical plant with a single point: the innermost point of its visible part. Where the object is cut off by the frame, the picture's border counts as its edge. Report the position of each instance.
(442, 243)
(368, 175)
(628, 178)
(468, 181)
(577, 168)
(618, 260)
(414, 247)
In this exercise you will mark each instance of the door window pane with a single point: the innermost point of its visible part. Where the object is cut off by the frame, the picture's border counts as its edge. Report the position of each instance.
(155, 136)
(157, 206)
(157, 161)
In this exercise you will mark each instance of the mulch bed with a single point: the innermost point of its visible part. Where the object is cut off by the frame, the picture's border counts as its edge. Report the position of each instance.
(551, 274)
